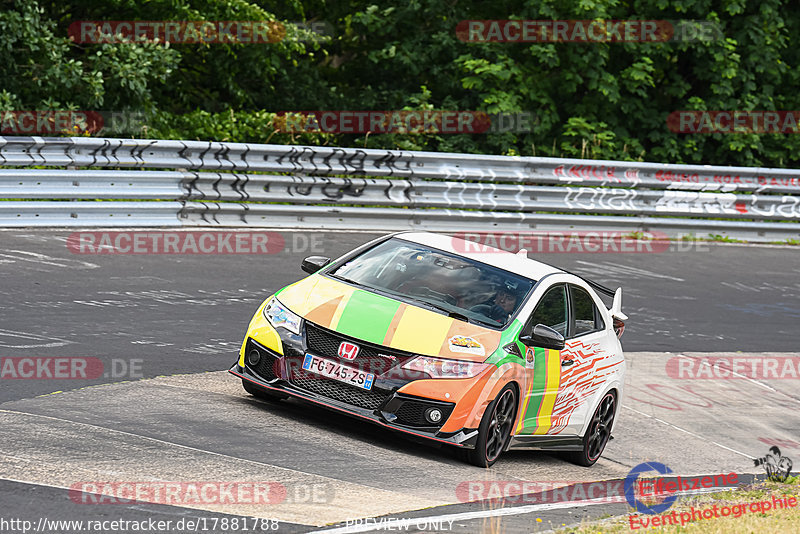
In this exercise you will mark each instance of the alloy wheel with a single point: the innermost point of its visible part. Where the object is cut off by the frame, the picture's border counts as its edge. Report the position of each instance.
(500, 425)
(600, 427)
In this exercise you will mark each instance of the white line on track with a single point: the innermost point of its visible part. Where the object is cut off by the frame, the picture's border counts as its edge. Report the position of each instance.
(163, 442)
(689, 432)
(38, 341)
(35, 257)
(499, 512)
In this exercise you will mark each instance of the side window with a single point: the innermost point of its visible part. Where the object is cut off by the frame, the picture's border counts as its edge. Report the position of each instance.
(587, 317)
(552, 310)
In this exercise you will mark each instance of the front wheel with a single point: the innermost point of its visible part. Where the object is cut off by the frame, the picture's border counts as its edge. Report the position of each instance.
(495, 428)
(598, 433)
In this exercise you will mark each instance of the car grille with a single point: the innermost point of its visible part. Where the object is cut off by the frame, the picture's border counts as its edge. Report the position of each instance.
(371, 358)
(265, 368)
(411, 413)
(333, 389)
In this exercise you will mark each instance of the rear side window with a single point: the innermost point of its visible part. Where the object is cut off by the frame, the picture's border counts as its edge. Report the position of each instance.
(587, 316)
(552, 310)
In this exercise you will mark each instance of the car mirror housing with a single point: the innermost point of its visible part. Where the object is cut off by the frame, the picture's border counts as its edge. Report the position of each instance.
(543, 337)
(313, 264)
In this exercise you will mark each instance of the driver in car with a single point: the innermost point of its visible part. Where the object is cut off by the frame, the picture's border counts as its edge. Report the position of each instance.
(502, 305)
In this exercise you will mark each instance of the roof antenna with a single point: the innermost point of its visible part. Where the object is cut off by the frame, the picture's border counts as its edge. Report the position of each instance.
(523, 252)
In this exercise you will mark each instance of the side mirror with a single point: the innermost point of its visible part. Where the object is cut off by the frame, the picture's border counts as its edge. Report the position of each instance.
(313, 264)
(543, 337)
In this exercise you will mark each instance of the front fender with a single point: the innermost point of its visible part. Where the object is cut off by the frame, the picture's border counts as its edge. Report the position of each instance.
(260, 330)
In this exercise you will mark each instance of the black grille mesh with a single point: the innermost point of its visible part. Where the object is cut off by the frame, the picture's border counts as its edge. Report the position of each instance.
(333, 389)
(266, 366)
(412, 413)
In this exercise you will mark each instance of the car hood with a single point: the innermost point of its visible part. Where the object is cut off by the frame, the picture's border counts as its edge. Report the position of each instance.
(385, 321)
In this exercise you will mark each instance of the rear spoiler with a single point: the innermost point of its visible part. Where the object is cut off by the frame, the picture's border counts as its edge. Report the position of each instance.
(616, 305)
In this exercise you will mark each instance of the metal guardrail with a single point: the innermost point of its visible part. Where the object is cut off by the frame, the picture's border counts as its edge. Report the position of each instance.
(92, 182)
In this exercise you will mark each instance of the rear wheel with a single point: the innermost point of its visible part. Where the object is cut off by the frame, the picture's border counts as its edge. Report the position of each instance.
(598, 433)
(262, 393)
(495, 429)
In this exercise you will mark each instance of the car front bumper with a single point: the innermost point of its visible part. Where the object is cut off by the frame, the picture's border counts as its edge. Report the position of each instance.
(385, 415)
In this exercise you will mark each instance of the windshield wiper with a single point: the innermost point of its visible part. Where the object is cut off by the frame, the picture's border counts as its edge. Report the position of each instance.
(349, 281)
(378, 290)
(450, 313)
(485, 323)
(458, 315)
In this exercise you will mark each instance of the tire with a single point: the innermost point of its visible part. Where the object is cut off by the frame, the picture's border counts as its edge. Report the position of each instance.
(262, 393)
(598, 433)
(495, 429)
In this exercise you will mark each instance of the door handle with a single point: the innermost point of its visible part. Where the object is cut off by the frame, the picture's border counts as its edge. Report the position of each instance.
(567, 363)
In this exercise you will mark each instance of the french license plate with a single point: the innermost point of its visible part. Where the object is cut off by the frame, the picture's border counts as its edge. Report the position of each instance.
(338, 371)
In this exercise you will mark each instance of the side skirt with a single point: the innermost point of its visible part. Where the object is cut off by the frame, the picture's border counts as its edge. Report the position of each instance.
(545, 443)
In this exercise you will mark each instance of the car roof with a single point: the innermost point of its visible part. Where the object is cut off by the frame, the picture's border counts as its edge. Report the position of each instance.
(483, 253)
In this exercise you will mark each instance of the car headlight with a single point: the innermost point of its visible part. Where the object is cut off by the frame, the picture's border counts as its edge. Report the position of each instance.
(438, 368)
(279, 315)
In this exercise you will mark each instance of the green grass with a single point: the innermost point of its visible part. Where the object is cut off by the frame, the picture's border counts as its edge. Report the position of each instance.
(773, 521)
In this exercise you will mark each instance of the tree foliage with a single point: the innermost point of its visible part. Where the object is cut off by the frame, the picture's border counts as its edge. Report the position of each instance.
(607, 100)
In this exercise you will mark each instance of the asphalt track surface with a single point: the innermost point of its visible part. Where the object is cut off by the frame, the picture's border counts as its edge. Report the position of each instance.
(165, 327)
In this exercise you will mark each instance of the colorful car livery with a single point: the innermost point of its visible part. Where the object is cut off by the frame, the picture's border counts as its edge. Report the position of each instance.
(483, 350)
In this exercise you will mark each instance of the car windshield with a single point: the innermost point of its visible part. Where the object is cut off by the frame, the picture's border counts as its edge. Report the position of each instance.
(455, 285)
